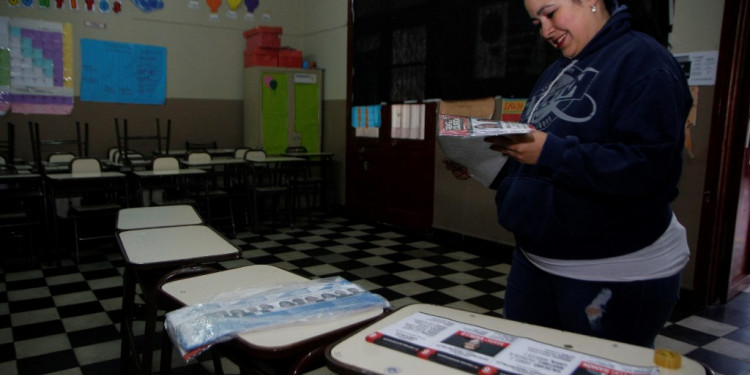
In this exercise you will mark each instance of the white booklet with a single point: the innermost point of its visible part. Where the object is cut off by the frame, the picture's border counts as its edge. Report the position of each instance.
(462, 141)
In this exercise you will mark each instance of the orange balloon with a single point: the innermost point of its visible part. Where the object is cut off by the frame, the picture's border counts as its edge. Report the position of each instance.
(214, 5)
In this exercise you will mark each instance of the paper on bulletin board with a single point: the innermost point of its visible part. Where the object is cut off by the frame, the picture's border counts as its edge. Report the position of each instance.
(123, 72)
(700, 67)
(36, 66)
(275, 112)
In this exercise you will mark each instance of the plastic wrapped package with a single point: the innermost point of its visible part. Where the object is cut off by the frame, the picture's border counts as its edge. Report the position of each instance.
(195, 328)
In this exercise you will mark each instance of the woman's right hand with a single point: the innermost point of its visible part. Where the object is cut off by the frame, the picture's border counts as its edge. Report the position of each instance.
(459, 171)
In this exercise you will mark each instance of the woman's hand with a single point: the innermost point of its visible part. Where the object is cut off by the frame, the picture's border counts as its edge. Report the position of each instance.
(459, 171)
(525, 148)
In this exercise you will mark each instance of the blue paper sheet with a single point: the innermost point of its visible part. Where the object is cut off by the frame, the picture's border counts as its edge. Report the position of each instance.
(123, 72)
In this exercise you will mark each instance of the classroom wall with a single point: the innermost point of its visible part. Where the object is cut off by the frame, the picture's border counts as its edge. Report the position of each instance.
(204, 93)
(204, 69)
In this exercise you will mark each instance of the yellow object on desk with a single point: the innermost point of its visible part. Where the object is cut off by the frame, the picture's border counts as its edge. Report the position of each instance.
(667, 358)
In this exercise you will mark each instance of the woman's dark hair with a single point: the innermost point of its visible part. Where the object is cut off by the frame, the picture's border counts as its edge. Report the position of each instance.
(649, 16)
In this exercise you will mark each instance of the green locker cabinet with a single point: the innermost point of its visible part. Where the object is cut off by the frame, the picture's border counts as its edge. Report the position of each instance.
(283, 108)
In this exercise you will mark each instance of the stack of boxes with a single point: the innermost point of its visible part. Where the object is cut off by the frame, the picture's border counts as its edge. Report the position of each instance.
(264, 49)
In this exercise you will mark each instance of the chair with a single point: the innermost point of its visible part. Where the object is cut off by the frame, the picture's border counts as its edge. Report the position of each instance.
(311, 184)
(239, 152)
(269, 184)
(215, 191)
(8, 145)
(124, 139)
(173, 190)
(79, 145)
(22, 207)
(61, 157)
(195, 146)
(93, 203)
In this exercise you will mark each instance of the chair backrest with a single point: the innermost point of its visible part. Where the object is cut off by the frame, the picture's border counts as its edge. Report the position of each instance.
(112, 154)
(199, 157)
(239, 152)
(257, 155)
(85, 165)
(62, 157)
(165, 163)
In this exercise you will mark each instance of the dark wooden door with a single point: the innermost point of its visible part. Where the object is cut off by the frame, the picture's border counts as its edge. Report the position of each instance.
(722, 267)
(392, 179)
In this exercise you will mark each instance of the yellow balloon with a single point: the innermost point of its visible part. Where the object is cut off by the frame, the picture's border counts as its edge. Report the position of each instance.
(234, 4)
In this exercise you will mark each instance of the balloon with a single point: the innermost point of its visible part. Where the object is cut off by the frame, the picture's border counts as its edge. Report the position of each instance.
(234, 4)
(214, 5)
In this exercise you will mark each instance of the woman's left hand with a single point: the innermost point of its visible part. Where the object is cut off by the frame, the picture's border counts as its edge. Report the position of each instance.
(525, 148)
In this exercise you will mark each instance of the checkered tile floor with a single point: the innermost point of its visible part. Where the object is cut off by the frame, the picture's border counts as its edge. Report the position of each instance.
(65, 320)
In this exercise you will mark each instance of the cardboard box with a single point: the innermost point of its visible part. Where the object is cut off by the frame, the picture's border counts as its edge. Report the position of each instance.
(261, 56)
(290, 58)
(263, 36)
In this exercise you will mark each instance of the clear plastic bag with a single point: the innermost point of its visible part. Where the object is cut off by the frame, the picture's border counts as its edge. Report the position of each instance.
(195, 328)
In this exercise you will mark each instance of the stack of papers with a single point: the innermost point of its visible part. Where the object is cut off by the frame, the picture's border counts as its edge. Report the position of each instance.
(462, 141)
(462, 126)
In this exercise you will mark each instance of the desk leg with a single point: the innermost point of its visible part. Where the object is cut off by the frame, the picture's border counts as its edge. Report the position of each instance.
(151, 310)
(127, 345)
(52, 203)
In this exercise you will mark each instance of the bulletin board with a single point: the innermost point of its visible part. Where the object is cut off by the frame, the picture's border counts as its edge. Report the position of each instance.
(36, 67)
(123, 72)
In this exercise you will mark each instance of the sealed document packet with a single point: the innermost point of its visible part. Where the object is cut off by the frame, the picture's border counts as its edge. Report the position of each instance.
(196, 327)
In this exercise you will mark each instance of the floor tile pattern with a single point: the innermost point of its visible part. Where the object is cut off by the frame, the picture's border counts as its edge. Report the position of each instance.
(65, 319)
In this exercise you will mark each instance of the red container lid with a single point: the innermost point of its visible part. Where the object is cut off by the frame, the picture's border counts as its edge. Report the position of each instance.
(262, 30)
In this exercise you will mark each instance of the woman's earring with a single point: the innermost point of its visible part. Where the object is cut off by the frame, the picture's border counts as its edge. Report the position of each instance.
(593, 9)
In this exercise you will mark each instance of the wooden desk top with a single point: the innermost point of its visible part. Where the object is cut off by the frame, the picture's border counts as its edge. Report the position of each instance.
(181, 244)
(274, 159)
(201, 288)
(185, 171)
(217, 161)
(157, 216)
(356, 355)
(76, 176)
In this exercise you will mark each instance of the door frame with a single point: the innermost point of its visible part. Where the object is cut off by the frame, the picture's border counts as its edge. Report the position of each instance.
(729, 126)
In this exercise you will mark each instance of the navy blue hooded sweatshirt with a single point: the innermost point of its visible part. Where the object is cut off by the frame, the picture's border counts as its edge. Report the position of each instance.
(615, 118)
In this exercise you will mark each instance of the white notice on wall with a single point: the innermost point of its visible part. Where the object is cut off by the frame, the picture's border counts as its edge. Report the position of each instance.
(699, 67)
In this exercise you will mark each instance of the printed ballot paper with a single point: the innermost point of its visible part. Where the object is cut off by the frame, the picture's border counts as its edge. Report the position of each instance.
(479, 350)
(462, 140)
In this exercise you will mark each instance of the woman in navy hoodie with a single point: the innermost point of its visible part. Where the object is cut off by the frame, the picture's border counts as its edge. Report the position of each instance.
(587, 195)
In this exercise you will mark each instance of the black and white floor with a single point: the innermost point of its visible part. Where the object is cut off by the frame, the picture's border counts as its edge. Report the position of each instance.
(65, 320)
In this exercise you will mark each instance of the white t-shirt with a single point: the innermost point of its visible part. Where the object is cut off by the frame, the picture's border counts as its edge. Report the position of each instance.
(665, 257)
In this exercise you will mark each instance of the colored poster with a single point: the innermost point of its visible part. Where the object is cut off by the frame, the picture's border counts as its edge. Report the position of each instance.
(123, 72)
(39, 58)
